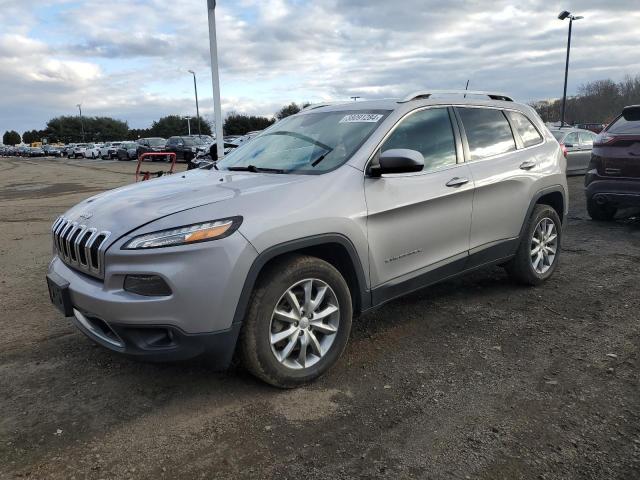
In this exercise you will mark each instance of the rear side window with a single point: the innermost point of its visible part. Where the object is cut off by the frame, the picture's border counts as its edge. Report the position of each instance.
(527, 131)
(488, 132)
(624, 126)
(430, 133)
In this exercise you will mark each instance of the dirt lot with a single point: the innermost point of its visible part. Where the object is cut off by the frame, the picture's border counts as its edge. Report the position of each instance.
(475, 378)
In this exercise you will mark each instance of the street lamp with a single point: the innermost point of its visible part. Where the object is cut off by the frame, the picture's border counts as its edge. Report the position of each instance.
(563, 15)
(195, 87)
(188, 119)
(215, 78)
(79, 105)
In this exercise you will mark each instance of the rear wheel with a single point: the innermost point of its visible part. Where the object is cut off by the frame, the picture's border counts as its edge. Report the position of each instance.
(298, 322)
(537, 255)
(599, 212)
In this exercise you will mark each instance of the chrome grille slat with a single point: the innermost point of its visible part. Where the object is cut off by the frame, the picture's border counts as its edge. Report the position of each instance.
(77, 249)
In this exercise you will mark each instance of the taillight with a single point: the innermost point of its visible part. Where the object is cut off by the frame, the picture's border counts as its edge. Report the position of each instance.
(604, 138)
(565, 152)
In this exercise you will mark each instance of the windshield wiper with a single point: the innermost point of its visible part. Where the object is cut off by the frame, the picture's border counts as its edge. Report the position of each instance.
(254, 169)
(321, 158)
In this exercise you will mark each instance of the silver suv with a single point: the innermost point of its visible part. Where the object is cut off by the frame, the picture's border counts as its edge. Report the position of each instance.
(269, 253)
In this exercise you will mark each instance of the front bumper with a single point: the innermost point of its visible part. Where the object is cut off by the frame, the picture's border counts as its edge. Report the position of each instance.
(206, 280)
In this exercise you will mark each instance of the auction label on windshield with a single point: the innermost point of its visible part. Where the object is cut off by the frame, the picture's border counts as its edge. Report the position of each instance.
(361, 117)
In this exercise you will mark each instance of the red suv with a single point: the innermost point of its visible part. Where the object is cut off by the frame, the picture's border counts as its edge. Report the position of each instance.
(613, 178)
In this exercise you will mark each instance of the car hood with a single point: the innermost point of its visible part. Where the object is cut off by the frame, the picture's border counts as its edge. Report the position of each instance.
(126, 208)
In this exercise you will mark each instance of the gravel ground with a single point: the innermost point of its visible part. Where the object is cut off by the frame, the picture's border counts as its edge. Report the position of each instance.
(474, 378)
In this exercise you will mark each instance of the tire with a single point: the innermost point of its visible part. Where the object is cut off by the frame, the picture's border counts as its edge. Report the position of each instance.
(291, 274)
(601, 213)
(526, 269)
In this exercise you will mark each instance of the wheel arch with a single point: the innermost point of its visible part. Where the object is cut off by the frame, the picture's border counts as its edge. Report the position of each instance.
(553, 196)
(335, 249)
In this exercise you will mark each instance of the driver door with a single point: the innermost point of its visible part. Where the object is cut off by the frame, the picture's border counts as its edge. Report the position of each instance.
(418, 222)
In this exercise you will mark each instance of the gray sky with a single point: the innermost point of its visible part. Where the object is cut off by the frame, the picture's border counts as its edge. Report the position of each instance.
(129, 58)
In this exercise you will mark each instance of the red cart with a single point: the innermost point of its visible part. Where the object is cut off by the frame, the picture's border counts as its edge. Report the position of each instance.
(141, 176)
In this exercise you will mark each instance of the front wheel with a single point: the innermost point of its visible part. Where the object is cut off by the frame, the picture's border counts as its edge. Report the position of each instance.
(537, 256)
(298, 322)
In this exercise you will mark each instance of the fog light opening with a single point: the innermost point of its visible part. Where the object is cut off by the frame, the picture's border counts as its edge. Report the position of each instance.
(147, 285)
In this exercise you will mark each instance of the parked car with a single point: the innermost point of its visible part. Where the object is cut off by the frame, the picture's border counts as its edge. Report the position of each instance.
(23, 151)
(52, 151)
(332, 212)
(186, 148)
(92, 151)
(110, 150)
(127, 151)
(593, 127)
(150, 145)
(77, 151)
(576, 145)
(35, 152)
(613, 179)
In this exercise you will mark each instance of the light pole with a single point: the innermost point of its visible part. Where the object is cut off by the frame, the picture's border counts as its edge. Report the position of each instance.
(215, 78)
(563, 15)
(79, 105)
(355, 98)
(188, 119)
(195, 87)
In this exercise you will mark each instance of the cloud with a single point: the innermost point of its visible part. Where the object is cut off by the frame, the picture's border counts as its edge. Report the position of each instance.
(129, 59)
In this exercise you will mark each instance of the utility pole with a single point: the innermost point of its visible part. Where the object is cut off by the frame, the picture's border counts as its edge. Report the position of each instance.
(195, 87)
(215, 77)
(79, 105)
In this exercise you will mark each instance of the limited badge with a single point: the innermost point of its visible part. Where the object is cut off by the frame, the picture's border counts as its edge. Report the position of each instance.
(361, 117)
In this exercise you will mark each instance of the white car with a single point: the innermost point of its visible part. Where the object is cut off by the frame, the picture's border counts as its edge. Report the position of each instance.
(92, 151)
(78, 150)
(108, 150)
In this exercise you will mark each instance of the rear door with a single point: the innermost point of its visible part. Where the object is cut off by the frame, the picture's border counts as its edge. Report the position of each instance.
(619, 147)
(504, 174)
(576, 157)
(586, 145)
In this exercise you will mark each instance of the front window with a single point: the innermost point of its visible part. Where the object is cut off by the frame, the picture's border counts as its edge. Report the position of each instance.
(558, 134)
(309, 143)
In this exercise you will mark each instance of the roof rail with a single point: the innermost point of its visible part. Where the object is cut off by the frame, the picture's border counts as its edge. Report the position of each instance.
(313, 106)
(424, 94)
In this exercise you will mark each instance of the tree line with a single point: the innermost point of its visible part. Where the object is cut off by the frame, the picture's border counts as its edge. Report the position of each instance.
(600, 101)
(73, 129)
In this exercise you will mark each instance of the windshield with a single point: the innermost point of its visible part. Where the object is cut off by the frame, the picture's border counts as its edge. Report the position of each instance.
(308, 144)
(156, 142)
(558, 134)
(191, 141)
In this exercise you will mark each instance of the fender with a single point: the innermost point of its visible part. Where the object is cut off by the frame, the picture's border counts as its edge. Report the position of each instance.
(537, 196)
(296, 245)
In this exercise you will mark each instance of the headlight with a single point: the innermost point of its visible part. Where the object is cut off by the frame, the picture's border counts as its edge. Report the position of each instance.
(199, 232)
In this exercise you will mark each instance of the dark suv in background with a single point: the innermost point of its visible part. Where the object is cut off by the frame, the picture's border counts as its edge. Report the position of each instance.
(613, 179)
(150, 145)
(186, 148)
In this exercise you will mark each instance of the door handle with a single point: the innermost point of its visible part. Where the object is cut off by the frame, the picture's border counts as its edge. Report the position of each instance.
(528, 165)
(457, 182)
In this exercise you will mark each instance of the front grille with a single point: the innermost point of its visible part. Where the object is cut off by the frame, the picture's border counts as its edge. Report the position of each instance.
(80, 247)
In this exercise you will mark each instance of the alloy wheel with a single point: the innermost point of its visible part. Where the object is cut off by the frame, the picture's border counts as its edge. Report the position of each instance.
(544, 245)
(304, 324)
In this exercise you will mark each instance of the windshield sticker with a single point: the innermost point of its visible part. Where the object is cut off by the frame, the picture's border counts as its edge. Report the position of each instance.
(361, 117)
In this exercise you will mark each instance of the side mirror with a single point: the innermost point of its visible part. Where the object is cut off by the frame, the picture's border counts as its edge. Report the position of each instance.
(398, 160)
